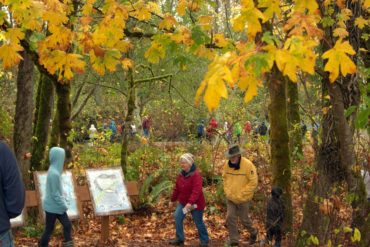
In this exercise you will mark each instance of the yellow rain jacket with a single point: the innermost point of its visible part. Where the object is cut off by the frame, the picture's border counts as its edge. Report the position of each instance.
(239, 185)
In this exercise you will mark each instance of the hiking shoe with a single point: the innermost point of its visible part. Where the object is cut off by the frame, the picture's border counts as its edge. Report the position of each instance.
(176, 242)
(68, 244)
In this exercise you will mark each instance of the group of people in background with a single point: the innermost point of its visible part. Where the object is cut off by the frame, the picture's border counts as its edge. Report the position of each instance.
(117, 130)
(233, 132)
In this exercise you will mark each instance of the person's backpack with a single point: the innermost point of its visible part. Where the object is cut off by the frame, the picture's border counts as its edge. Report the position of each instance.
(200, 129)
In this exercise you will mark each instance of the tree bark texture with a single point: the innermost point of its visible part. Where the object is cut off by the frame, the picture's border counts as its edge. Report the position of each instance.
(64, 117)
(294, 120)
(44, 106)
(128, 121)
(279, 138)
(23, 115)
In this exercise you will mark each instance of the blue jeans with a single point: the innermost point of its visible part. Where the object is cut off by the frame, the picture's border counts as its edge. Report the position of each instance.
(6, 239)
(146, 132)
(198, 220)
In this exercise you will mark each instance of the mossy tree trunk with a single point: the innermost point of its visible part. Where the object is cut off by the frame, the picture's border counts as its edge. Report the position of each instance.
(128, 121)
(279, 138)
(64, 117)
(44, 106)
(294, 120)
(23, 115)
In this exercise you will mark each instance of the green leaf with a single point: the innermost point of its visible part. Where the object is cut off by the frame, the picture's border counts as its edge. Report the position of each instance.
(350, 110)
(313, 240)
(259, 62)
(327, 21)
(347, 229)
(199, 36)
(356, 236)
(362, 118)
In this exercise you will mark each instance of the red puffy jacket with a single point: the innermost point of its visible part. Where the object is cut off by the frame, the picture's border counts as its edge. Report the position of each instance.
(188, 189)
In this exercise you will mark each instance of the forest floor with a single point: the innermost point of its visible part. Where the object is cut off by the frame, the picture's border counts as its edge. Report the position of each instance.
(154, 226)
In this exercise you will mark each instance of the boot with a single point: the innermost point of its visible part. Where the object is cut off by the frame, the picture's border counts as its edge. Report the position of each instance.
(68, 244)
(176, 242)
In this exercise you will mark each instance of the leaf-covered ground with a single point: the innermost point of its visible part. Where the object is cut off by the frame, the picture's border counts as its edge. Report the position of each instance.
(154, 226)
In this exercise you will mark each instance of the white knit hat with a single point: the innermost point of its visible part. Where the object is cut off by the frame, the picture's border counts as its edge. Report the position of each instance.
(188, 158)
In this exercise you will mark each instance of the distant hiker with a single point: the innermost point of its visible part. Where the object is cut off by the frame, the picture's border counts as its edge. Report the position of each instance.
(262, 129)
(200, 131)
(238, 131)
(227, 131)
(12, 193)
(92, 132)
(133, 130)
(189, 194)
(54, 202)
(211, 129)
(113, 128)
(247, 127)
(239, 182)
(146, 126)
(274, 217)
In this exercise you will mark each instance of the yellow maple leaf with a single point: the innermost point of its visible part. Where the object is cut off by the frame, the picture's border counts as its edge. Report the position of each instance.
(154, 7)
(97, 63)
(361, 22)
(220, 40)
(366, 4)
(249, 20)
(55, 18)
(205, 22)
(214, 82)
(302, 5)
(127, 64)
(14, 35)
(272, 7)
(141, 12)
(111, 59)
(9, 55)
(155, 52)
(168, 22)
(181, 7)
(340, 32)
(338, 60)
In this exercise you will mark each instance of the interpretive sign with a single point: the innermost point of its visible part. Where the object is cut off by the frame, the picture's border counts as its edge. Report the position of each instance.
(108, 191)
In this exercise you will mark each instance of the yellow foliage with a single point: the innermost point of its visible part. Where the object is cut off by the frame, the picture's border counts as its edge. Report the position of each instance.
(338, 59)
(168, 22)
(182, 36)
(181, 7)
(300, 24)
(64, 63)
(220, 40)
(9, 55)
(272, 7)
(340, 32)
(155, 52)
(205, 22)
(302, 5)
(361, 22)
(366, 4)
(248, 19)
(127, 64)
(213, 84)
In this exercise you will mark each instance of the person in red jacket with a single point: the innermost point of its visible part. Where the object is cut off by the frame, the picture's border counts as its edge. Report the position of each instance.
(188, 192)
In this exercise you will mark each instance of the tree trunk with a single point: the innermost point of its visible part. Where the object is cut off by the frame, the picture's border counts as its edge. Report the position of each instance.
(38, 96)
(23, 115)
(45, 106)
(128, 121)
(54, 135)
(64, 117)
(280, 160)
(294, 121)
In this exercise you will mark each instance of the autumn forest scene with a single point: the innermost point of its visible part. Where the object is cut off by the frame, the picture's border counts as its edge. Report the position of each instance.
(184, 123)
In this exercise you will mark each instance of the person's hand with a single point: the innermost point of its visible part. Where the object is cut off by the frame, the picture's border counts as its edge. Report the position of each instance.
(188, 206)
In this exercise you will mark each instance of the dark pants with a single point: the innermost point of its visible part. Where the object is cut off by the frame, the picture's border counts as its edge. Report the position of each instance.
(274, 231)
(50, 224)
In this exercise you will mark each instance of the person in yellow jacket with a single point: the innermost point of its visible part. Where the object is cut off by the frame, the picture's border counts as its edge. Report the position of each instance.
(240, 181)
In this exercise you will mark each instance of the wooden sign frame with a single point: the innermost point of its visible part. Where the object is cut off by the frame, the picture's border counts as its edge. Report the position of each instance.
(115, 212)
(38, 193)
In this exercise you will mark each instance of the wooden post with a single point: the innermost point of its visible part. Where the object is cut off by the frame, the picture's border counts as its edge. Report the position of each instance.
(104, 236)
